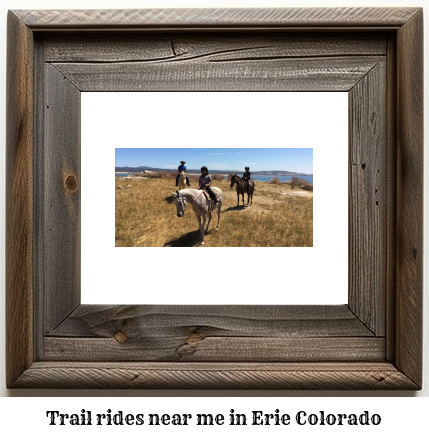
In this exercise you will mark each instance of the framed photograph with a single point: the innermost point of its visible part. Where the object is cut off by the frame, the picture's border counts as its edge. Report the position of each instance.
(57, 340)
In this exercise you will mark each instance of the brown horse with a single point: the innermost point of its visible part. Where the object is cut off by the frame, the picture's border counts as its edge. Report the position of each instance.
(241, 189)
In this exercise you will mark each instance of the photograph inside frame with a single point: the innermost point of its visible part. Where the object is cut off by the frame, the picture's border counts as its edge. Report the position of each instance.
(252, 197)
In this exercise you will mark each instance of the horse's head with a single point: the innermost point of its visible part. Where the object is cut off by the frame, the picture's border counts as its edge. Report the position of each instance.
(180, 202)
(233, 180)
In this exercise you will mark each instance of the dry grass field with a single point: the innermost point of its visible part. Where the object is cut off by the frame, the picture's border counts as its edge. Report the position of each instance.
(145, 216)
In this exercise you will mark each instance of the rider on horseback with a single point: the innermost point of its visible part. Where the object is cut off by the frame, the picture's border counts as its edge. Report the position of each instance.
(205, 181)
(181, 169)
(246, 178)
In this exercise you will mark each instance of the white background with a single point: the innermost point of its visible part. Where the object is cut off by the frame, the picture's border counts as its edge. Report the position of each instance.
(400, 413)
(397, 415)
(277, 120)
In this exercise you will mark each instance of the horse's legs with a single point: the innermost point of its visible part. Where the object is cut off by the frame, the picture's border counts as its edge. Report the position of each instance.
(242, 199)
(210, 218)
(201, 228)
(238, 199)
(218, 214)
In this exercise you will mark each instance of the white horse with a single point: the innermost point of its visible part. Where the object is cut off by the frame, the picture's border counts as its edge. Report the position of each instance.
(182, 180)
(200, 205)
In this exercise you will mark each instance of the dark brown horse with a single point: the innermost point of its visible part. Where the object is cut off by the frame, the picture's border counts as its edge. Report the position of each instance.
(241, 189)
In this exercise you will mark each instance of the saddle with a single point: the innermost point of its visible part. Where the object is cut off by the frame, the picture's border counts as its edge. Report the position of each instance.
(210, 201)
(248, 185)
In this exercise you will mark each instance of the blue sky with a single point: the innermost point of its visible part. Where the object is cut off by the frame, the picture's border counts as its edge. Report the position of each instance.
(299, 160)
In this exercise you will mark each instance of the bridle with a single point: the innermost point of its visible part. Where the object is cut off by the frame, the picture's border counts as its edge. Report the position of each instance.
(183, 199)
(235, 179)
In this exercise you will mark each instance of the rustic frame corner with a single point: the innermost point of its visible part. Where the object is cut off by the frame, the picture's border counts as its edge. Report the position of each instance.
(373, 342)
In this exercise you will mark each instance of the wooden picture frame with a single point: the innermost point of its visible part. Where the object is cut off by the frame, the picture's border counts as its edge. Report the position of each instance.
(373, 342)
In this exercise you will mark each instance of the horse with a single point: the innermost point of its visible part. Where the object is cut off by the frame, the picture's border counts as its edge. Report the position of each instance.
(200, 204)
(241, 189)
(182, 180)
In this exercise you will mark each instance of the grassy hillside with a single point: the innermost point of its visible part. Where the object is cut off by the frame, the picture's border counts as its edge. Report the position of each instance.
(145, 216)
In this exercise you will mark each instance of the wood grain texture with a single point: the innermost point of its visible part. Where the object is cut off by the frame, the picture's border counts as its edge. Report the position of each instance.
(332, 74)
(99, 321)
(368, 202)
(207, 18)
(227, 46)
(39, 200)
(409, 283)
(19, 200)
(153, 347)
(61, 207)
(213, 333)
(380, 376)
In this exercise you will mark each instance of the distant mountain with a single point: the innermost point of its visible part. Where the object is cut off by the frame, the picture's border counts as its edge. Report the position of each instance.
(278, 173)
(255, 173)
(135, 169)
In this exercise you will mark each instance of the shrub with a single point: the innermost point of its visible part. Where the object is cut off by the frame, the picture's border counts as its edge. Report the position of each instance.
(163, 174)
(294, 181)
(275, 181)
(307, 186)
(301, 183)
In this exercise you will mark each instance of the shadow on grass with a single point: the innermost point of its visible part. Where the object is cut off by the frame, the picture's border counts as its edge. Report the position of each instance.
(189, 240)
(169, 199)
(233, 208)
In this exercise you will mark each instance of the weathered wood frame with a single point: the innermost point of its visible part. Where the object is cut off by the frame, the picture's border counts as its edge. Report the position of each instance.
(374, 342)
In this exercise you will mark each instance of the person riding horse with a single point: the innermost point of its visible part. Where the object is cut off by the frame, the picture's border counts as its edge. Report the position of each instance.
(205, 181)
(246, 178)
(181, 169)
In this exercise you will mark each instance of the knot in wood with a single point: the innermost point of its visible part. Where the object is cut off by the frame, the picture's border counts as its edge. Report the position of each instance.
(193, 337)
(120, 337)
(71, 183)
